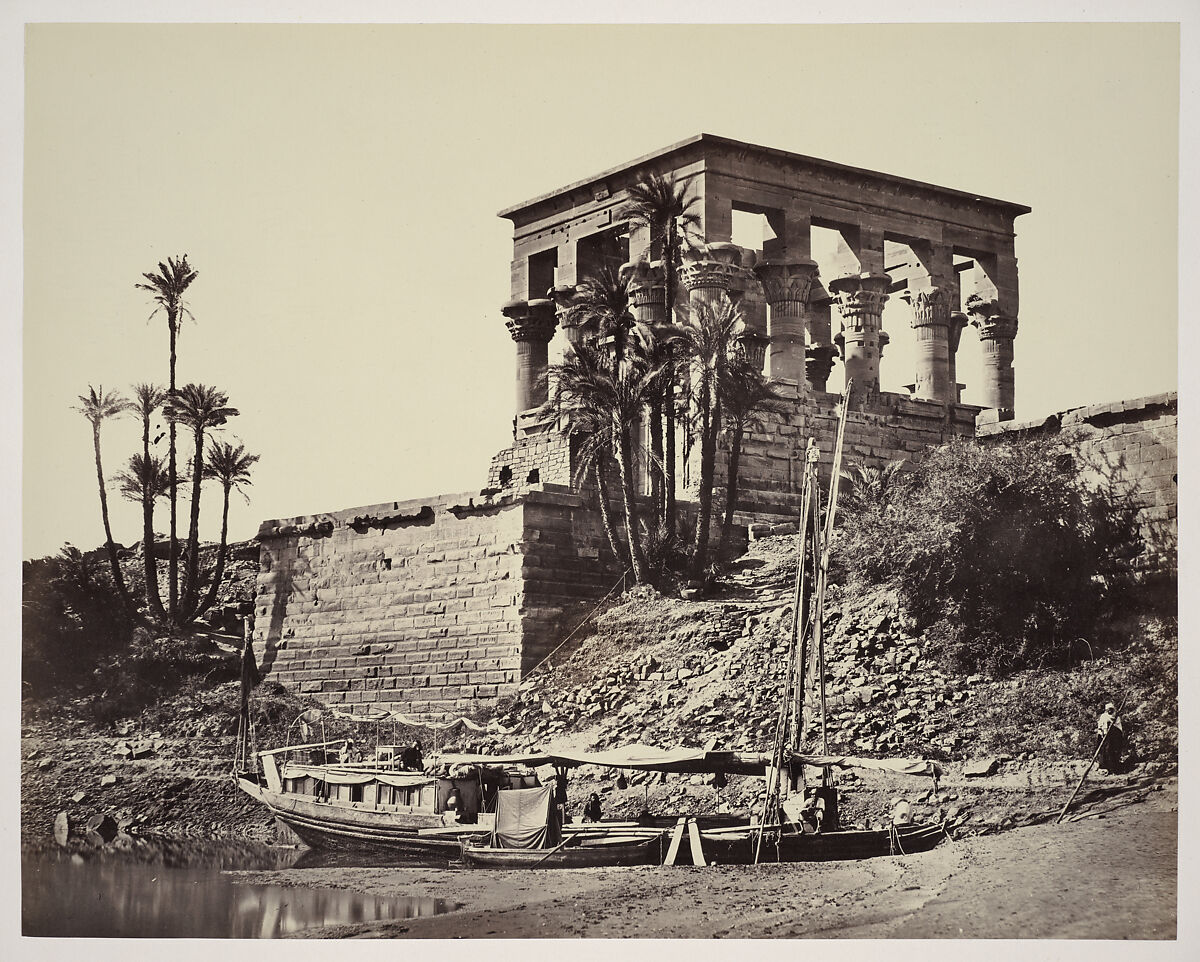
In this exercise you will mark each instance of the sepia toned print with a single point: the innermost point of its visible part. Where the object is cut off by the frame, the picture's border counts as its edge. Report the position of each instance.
(787, 591)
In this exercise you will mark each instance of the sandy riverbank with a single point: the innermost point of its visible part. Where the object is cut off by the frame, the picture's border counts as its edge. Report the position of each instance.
(1109, 877)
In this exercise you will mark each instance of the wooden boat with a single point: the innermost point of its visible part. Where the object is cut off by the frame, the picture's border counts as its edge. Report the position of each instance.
(737, 847)
(374, 805)
(580, 851)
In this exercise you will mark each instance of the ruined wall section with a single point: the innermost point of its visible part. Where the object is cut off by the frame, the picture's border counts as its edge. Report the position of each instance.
(880, 428)
(409, 605)
(430, 606)
(1128, 449)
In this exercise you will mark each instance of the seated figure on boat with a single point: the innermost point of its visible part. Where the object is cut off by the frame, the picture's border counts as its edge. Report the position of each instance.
(411, 759)
(591, 811)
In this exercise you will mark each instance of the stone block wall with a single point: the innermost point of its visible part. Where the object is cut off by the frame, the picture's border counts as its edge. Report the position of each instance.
(880, 428)
(1128, 449)
(427, 606)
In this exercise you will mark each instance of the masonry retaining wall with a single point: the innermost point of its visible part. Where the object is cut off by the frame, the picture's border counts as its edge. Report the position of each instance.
(425, 606)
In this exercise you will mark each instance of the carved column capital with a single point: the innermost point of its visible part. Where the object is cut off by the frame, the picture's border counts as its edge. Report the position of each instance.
(991, 322)
(782, 282)
(754, 346)
(818, 364)
(717, 271)
(533, 320)
(859, 298)
(645, 282)
(930, 307)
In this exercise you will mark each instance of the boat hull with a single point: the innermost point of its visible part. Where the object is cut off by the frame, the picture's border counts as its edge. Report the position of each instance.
(609, 852)
(739, 848)
(330, 826)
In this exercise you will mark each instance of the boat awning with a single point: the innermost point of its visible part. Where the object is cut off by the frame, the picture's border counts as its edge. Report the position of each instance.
(333, 776)
(636, 757)
(902, 766)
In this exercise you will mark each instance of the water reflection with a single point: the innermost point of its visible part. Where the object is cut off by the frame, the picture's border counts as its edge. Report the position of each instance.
(110, 897)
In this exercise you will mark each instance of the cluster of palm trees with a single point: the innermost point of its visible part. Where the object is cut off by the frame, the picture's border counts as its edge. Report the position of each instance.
(689, 371)
(148, 478)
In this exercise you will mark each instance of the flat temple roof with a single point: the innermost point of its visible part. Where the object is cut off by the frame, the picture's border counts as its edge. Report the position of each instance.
(1016, 209)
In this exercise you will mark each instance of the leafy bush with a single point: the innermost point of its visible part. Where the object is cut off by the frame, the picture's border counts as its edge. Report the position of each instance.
(998, 552)
(71, 619)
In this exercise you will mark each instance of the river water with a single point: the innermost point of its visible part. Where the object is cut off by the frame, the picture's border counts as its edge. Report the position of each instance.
(180, 890)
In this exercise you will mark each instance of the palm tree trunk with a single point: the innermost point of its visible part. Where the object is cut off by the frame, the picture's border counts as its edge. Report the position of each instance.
(710, 425)
(173, 551)
(606, 514)
(118, 578)
(731, 484)
(211, 597)
(149, 564)
(656, 460)
(669, 375)
(193, 546)
(624, 453)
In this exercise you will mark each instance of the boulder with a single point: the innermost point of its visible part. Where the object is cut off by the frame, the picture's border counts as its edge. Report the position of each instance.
(980, 767)
(107, 780)
(62, 828)
(103, 825)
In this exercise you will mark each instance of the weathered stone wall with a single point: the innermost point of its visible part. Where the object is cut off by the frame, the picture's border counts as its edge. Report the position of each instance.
(1127, 449)
(425, 606)
(880, 427)
(544, 449)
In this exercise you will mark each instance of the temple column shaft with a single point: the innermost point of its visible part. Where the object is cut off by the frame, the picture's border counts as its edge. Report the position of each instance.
(787, 288)
(860, 299)
(531, 324)
(931, 321)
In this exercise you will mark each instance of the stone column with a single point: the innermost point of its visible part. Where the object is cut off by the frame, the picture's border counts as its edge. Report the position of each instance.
(860, 299)
(931, 321)
(531, 324)
(997, 332)
(819, 355)
(714, 276)
(787, 288)
(647, 291)
(564, 300)
(958, 322)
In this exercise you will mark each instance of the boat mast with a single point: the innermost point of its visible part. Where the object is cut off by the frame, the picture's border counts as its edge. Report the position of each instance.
(823, 569)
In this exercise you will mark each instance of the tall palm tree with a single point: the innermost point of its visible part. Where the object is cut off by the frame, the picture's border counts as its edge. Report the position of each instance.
(199, 408)
(143, 478)
(231, 466)
(600, 388)
(709, 341)
(662, 203)
(601, 303)
(168, 287)
(655, 347)
(97, 407)
(148, 398)
(747, 396)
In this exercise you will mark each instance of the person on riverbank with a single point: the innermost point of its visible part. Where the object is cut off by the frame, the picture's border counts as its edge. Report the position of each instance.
(1110, 734)
(591, 811)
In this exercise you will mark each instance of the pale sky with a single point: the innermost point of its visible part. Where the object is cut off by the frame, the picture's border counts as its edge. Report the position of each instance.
(336, 188)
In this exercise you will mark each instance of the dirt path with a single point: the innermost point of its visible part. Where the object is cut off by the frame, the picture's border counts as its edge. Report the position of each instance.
(1110, 878)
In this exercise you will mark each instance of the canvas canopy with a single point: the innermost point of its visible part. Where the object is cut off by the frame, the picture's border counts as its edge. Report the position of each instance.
(636, 756)
(902, 766)
(333, 776)
(523, 818)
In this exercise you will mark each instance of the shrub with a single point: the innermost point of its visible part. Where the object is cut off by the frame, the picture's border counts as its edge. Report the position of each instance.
(997, 552)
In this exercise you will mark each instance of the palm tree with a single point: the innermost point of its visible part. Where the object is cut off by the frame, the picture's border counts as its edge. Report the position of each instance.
(601, 303)
(148, 398)
(655, 346)
(662, 204)
(97, 407)
(231, 466)
(747, 395)
(600, 389)
(168, 287)
(709, 340)
(869, 488)
(198, 407)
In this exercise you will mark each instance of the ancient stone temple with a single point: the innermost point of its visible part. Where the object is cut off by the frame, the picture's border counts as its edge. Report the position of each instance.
(433, 605)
